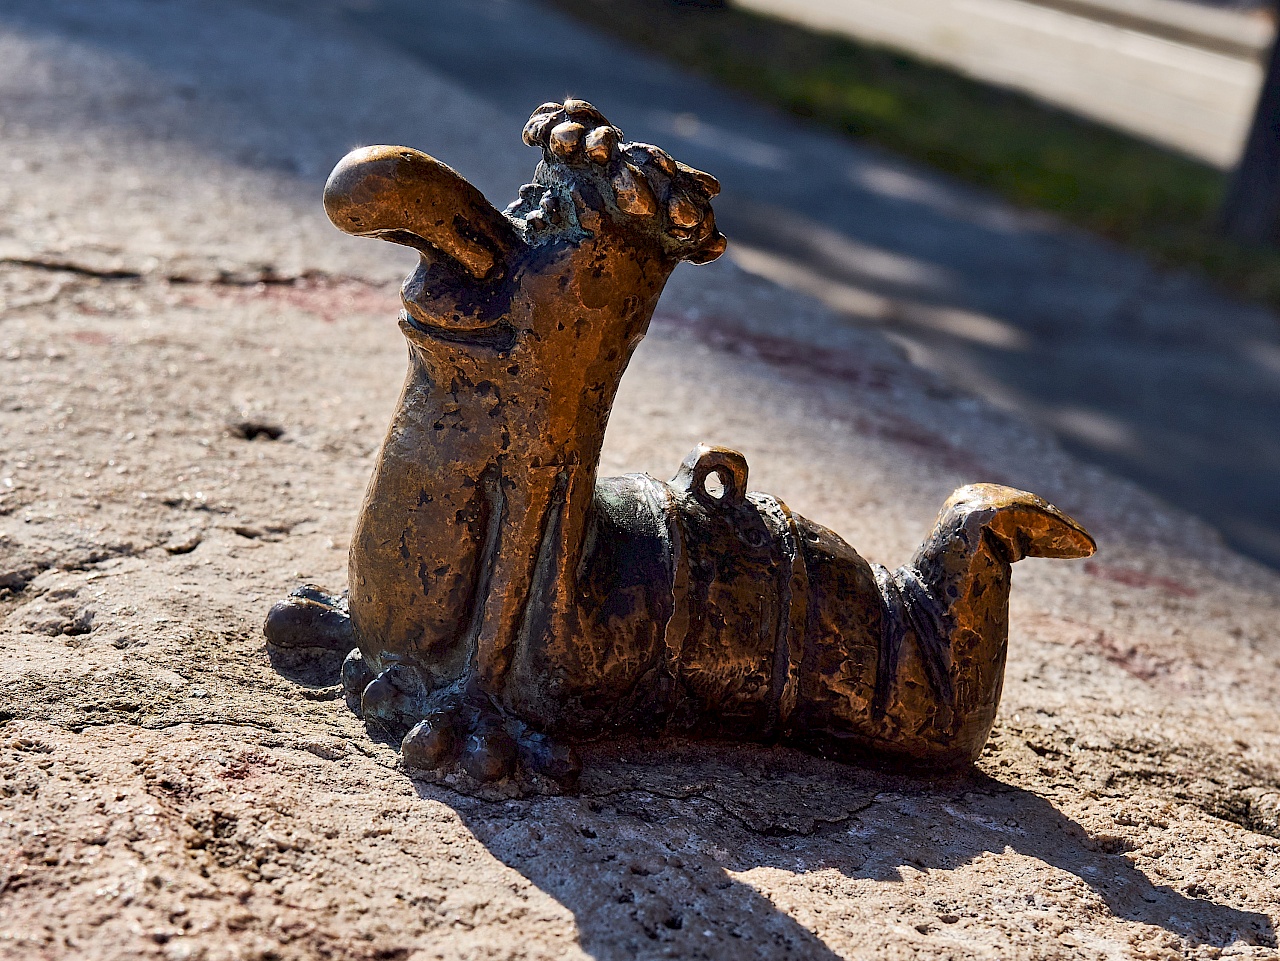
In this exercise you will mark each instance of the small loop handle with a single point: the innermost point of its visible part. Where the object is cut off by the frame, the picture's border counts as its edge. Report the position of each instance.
(703, 461)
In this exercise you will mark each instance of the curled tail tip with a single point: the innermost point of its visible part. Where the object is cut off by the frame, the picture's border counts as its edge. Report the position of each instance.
(1027, 525)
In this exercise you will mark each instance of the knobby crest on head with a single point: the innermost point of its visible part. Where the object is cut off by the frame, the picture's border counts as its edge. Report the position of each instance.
(646, 181)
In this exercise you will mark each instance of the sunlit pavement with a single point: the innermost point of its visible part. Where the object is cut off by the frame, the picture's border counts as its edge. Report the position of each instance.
(1175, 94)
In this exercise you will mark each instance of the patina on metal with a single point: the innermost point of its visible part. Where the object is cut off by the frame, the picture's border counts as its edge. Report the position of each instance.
(506, 603)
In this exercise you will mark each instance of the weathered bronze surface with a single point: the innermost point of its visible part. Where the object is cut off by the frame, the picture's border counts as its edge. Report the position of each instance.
(505, 603)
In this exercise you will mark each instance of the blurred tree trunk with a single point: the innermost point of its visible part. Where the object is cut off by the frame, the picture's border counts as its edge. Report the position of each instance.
(1251, 212)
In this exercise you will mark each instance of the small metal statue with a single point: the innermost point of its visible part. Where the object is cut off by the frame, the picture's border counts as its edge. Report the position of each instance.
(505, 602)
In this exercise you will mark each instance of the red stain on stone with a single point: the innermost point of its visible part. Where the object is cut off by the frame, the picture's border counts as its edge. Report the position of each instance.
(330, 299)
(724, 334)
(1132, 578)
(844, 366)
(327, 298)
(91, 337)
(1134, 659)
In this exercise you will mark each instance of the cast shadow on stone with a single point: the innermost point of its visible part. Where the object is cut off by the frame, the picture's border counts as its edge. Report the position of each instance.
(642, 855)
(311, 668)
(646, 855)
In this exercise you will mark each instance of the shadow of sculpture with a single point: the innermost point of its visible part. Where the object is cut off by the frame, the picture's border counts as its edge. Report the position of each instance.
(310, 668)
(650, 857)
(646, 855)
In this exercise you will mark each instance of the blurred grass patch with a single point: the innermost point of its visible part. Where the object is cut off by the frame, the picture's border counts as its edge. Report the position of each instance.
(1158, 201)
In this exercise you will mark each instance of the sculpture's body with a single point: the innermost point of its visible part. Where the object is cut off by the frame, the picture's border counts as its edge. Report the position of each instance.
(504, 602)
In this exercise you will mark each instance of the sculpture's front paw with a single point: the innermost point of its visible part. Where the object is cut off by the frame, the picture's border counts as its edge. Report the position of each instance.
(458, 733)
(310, 618)
(471, 734)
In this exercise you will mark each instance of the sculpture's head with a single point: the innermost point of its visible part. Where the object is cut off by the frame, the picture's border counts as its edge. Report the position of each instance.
(648, 194)
(589, 184)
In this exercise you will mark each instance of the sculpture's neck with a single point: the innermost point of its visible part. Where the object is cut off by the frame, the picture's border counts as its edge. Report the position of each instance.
(590, 404)
(554, 597)
(532, 413)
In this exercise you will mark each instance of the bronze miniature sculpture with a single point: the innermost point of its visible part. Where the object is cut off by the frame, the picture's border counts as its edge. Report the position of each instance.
(506, 603)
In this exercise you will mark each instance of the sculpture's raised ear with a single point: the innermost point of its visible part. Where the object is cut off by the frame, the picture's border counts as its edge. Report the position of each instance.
(410, 198)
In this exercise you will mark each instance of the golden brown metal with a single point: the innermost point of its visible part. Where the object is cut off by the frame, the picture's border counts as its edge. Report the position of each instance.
(504, 602)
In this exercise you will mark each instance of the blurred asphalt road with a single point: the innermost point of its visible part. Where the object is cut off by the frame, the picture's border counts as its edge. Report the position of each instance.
(1177, 94)
(1153, 375)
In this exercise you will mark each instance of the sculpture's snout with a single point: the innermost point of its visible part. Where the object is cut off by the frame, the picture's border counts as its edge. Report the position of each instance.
(408, 197)
(1025, 525)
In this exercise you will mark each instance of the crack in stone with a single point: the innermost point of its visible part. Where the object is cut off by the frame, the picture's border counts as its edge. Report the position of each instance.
(249, 276)
(71, 267)
(16, 580)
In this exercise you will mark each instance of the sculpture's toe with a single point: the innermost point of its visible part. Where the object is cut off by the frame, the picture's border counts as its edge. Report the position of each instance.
(356, 676)
(464, 737)
(390, 703)
(489, 754)
(431, 744)
(378, 703)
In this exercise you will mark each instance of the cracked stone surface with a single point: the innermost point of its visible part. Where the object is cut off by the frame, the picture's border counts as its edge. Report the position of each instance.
(197, 371)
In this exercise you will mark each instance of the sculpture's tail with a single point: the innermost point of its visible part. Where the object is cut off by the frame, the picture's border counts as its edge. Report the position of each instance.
(1023, 524)
(946, 625)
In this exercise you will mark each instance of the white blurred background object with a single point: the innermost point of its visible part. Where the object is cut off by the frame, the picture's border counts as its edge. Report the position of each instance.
(1180, 74)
